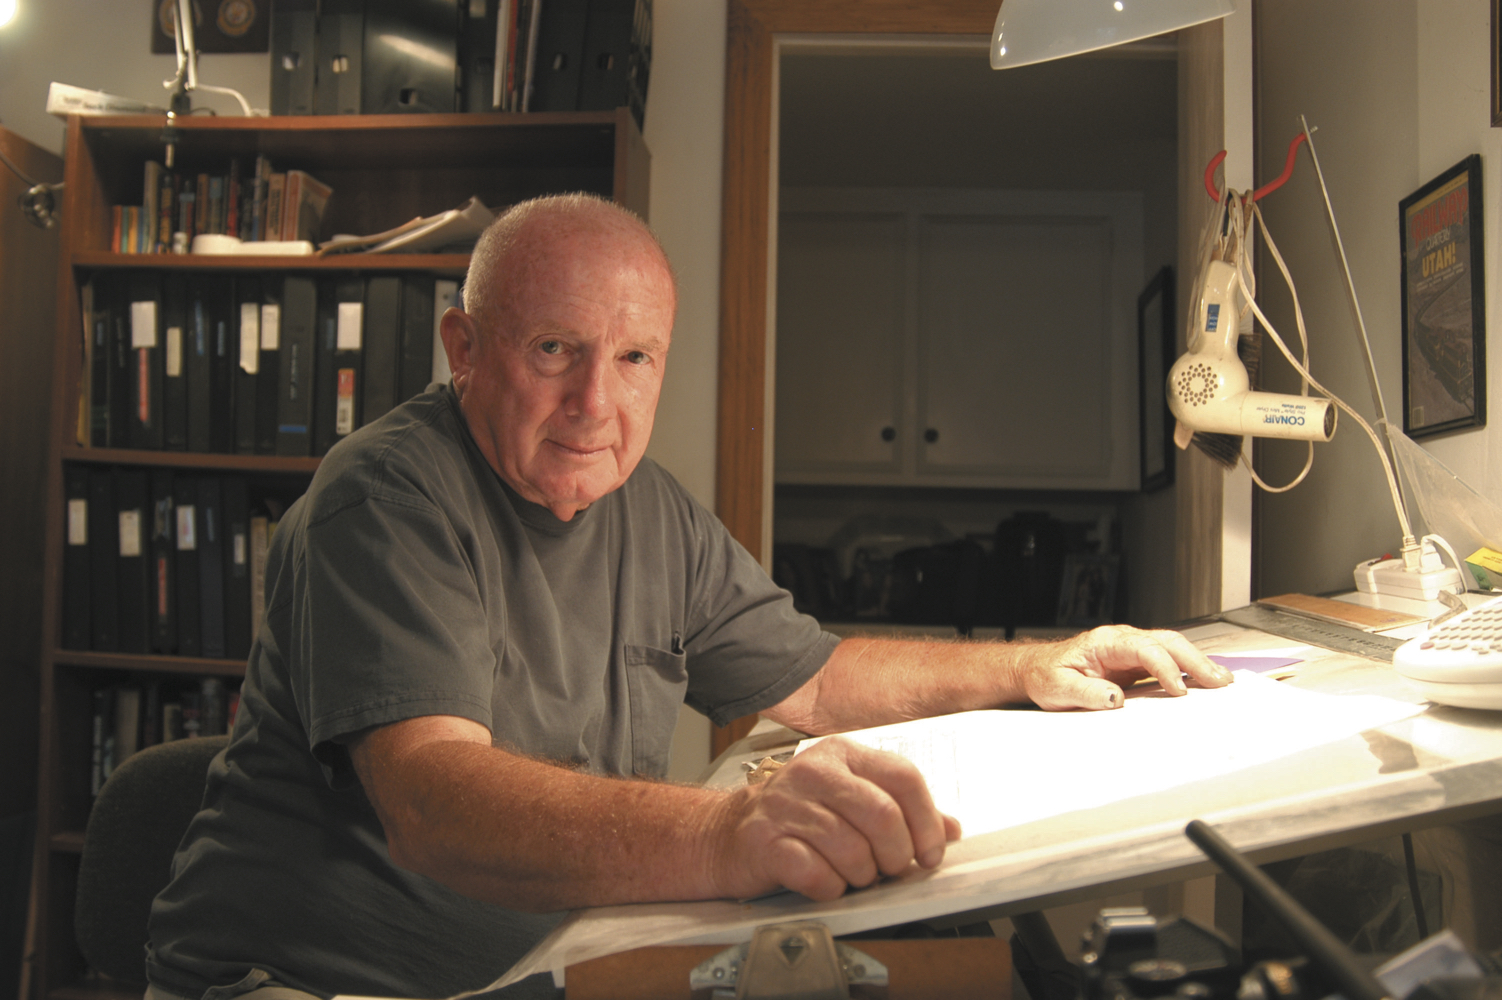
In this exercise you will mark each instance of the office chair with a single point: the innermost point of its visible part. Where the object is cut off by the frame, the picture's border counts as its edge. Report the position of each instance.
(137, 821)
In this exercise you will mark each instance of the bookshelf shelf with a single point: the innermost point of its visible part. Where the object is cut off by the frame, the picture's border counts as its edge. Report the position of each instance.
(384, 170)
(453, 264)
(191, 460)
(194, 666)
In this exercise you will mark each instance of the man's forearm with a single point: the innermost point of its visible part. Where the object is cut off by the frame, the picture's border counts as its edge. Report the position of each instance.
(530, 835)
(870, 682)
(874, 681)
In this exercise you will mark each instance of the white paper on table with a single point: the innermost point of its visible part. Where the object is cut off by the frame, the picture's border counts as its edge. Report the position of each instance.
(1005, 768)
(997, 769)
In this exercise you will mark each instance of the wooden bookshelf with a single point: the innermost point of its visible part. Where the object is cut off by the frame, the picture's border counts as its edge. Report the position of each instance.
(384, 170)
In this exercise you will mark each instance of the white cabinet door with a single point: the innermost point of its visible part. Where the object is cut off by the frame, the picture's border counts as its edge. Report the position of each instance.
(958, 338)
(840, 344)
(1015, 376)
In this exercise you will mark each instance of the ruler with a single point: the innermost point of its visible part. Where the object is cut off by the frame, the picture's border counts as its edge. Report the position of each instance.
(1327, 634)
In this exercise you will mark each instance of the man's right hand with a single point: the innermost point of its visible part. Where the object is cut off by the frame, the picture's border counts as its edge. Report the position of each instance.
(838, 815)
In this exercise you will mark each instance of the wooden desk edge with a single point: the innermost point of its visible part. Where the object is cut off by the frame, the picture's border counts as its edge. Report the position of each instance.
(929, 969)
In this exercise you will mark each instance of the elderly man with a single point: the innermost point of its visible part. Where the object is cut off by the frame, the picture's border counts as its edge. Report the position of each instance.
(480, 622)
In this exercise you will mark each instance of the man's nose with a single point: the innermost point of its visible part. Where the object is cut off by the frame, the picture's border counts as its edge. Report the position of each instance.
(594, 389)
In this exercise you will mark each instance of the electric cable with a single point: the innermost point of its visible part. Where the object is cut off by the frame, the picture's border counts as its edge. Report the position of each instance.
(1409, 542)
(1413, 887)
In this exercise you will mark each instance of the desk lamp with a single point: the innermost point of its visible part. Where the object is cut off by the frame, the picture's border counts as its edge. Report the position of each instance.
(1032, 31)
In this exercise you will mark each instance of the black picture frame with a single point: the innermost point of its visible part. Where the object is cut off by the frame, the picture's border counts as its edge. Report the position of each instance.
(218, 26)
(1496, 63)
(1444, 303)
(1087, 591)
(1156, 351)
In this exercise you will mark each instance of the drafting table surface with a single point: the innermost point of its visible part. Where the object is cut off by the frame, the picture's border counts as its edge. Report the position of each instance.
(1442, 765)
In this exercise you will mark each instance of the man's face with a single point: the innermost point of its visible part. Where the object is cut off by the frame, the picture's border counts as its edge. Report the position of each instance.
(560, 393)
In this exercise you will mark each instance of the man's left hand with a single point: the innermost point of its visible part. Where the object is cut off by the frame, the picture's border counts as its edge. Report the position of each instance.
(1090, 670)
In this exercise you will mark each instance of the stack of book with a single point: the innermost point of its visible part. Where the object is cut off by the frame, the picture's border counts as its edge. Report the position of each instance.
(266, 204)
(266, 364)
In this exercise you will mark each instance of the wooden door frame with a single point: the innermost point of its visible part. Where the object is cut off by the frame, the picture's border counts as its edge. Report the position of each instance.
(741, 440)
(746, 206)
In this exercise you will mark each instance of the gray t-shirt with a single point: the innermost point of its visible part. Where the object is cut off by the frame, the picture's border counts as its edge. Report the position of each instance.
(411, 581)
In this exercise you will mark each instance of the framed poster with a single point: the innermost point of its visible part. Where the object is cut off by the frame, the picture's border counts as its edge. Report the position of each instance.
(1444, 303)
(1155, 356)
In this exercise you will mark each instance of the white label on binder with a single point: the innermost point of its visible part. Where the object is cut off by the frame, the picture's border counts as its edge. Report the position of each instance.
(143, 324)
(78, 521)
(250, 337)
(239, 556)
(351, 319)
(187, 535)
(130, 533)
(174, 351)
(271, 327)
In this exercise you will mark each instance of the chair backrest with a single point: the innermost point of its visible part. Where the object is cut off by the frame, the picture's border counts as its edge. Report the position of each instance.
(137, 821)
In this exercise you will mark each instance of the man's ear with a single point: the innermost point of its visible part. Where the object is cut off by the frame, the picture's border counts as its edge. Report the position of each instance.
(459, 333)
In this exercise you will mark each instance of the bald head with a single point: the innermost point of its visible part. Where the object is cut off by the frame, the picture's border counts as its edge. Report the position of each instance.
(523, 242)
(559, 352)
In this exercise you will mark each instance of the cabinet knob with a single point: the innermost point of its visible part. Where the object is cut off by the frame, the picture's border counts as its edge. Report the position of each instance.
(930, 435)
(889, 433)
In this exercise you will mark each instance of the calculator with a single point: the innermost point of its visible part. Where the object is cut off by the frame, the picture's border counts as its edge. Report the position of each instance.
(1458, 662)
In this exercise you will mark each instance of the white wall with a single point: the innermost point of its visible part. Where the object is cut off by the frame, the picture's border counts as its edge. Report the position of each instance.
(104, 45)
(1396, 99)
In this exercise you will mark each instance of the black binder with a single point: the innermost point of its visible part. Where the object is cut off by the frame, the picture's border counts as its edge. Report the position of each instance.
(236, 568)
(145, 323)
(245, 348)
(163, 574)
(325, 375)
(394, 80)
(294, 58)
(607, 54)
(199, 363)
(76, 565)
(224, 353)
(269, 375)
(177, 336)
(104, 555)
(211, 544)
(340, 387)
(297, 371)
(417, 336)
(189, 591)
(120, 369)
(133, 564)
(382, 343)
(477, 57)
(101, 361)
(341, 43)
(560, 54)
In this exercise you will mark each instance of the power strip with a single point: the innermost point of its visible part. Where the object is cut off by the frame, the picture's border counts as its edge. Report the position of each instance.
(1387, 576)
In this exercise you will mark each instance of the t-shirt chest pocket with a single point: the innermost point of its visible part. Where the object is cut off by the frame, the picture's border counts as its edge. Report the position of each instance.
(657, 680)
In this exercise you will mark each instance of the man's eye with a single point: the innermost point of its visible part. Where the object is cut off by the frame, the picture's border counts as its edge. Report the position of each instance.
(550, 347)
(638, 357)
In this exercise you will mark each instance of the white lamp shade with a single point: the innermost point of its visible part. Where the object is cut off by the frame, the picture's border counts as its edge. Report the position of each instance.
(1030, 31)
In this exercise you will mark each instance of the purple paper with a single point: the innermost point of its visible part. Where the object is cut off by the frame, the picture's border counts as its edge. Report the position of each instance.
(1256, 664)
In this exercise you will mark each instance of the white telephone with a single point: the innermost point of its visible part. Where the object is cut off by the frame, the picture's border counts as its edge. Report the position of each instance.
(1459, 661)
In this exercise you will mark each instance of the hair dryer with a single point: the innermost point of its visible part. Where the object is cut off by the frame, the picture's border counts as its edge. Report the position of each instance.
(1208, 389)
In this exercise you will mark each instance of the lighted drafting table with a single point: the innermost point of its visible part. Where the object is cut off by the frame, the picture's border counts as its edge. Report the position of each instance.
(1438, 766)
